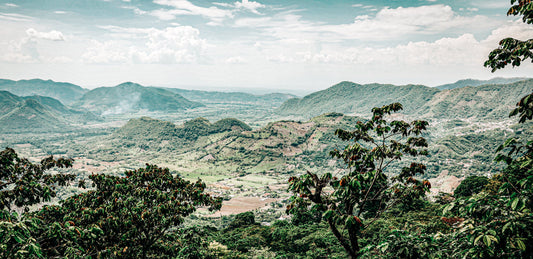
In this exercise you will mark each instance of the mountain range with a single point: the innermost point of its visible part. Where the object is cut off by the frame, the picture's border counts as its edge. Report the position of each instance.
(28, 114)
(132, 97)
(274, 99)
(485, 102)
(475, 82)
(67, 93)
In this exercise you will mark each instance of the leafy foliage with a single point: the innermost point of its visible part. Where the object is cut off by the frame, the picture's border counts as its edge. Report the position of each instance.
(282, 240)
(23, 183)
(129, 216)
(513, 51)
(471, 185)
(368, 187)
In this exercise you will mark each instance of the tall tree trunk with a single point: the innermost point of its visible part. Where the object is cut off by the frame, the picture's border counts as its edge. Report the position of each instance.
(351, 251)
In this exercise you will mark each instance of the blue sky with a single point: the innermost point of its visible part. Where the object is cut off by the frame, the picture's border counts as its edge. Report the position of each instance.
(293, 45)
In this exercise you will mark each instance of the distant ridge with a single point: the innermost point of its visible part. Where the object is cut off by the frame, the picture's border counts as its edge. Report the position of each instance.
(232, 97)
(131, 97)
(66, 93)
(37, 114)
(476, 102)
(26, 115)
(488, 101)
(475, 82)
(348, 97)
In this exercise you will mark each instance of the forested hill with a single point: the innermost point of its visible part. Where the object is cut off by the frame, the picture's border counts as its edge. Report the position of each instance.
(476, 102)
(348, 97)
(37, 114)
(475, 82)
(132, 97)
(486, 102)
(275, 99)
(22, 115)
(67, 93)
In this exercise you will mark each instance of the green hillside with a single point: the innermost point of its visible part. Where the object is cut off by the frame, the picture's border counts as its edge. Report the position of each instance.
(38, 114)
(8, 101)
(67, 93)
(474, 82)
(487, 102)
(348, 97)
(227, 146)
(460, 103)
(150, 131)
(147, 129)
(273, 99)
(30, 116)
(130, 97)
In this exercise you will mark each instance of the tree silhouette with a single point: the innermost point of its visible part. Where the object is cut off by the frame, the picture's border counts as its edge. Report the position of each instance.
(353, 200)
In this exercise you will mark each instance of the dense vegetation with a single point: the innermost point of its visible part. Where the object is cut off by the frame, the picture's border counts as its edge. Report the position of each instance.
(374, 208)
(38, 114)
(369, 212)
(471, 102)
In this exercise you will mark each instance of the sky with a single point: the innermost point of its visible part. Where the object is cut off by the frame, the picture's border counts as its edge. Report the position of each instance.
(288, 45)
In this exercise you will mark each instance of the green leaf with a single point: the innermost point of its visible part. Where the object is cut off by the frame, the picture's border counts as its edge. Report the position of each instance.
(328, 214)
(514, 203)
(486, 240)
(520, 244)
(384, 247)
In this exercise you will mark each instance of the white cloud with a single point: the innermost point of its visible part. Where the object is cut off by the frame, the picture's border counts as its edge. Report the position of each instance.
(184, 7)
(11, 5)
(235, 60)
(136, 10)
(60, 12)
(516, 29)
(462, 50)
(15, 17)
(388, 24)
(34, 47)
(451, 52)
(130, 33)
(281, 59)
(167, 15)
(180, 44)
(22, 51)
(107, 52)
(51, 35)
(362, 6)
(399, 22)
(249, 5)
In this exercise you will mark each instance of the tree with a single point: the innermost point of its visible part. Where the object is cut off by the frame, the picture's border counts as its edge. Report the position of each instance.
(370, 185)
(513, 51)
(471, 185)
(23, 184)
(499, 225)
(134, 216)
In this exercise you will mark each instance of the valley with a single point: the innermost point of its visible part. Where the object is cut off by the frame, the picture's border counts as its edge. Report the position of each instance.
(246, 146)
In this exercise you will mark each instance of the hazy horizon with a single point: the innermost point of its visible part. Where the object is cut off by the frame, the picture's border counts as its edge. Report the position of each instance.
(282, 46)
